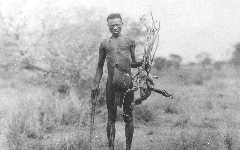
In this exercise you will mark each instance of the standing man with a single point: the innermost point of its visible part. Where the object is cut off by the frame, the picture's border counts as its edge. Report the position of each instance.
(119, 52)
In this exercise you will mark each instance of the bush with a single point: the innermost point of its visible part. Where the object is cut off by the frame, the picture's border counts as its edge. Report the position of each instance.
(143, 114)
(236, 55)
(170, 108)
(159, 63)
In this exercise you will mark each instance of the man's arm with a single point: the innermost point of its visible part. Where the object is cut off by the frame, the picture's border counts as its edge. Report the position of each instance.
(134, 64)
(99, 70)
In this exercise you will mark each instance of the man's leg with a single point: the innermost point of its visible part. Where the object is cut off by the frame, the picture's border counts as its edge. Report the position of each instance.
(128, 119)
(112, 115)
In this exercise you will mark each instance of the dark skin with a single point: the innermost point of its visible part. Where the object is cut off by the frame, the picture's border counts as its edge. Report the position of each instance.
(121, 50)
(113, 24)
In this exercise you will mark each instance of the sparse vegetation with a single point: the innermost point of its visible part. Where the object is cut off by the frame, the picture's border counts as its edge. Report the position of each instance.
(236, 54)
(45, 84)
(171, 108)
(143, 114)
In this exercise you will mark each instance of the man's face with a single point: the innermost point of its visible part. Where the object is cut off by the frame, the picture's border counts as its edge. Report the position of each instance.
(115, 26)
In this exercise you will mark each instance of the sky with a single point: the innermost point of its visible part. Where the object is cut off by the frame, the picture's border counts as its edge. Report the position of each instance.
(188, 27)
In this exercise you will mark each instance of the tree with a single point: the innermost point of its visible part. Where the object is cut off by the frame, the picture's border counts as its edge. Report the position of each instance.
(63, 47)
(12, 34)
(218, 64)
(191, 64)
(236, 56)
(176, 60)
(204, 59)
(159, 63)
(70, 49)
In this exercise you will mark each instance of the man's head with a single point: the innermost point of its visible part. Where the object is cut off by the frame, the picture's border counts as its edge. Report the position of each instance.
(115, 24)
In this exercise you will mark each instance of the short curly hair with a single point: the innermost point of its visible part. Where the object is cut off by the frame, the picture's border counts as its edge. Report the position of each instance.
(113, 16)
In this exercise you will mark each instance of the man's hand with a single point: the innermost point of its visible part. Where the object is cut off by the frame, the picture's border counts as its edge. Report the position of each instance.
(95, 90)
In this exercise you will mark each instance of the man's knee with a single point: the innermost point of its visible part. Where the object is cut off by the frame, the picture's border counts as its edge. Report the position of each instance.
(112, 113)
(111, 121)
(112, 118)
(127, 118)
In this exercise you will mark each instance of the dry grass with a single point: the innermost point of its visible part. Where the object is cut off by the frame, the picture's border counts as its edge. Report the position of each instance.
(204, 140)
(199, 117)
(29, 112)
(144, 114)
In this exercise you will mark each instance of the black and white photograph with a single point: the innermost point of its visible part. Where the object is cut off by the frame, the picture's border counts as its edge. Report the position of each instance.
(119, 75)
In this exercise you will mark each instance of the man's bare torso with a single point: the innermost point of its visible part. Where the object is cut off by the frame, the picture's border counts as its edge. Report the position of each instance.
(117, 51)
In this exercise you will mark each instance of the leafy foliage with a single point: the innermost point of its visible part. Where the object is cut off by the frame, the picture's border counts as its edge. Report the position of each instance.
(204, 59)
(62, 50)
(159, 63)
(176, 60)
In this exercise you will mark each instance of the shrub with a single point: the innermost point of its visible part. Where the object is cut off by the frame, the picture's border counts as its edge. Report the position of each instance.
(159, 63)
(236, 55)
(143, 114)
(169, 108)
(231, 140)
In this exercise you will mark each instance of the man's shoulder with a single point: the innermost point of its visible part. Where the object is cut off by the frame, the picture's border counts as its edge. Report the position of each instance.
(104, 42)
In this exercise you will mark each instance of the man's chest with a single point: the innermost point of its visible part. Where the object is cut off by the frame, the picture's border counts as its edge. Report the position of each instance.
(114, 45)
